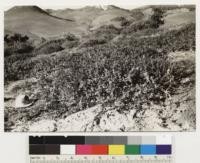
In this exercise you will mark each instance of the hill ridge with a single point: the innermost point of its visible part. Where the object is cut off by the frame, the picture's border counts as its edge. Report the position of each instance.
(35, 9)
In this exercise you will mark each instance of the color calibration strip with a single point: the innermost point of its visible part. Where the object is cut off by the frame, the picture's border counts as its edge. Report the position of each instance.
(98, 145)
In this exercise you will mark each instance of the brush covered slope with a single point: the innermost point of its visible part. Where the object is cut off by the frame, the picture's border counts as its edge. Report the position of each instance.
(132, 70)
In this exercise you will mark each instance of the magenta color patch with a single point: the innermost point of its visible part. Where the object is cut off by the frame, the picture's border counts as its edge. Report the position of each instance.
(83, 149)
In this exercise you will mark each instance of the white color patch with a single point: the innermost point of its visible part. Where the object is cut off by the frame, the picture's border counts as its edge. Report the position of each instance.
(67, 149)
(164, 139)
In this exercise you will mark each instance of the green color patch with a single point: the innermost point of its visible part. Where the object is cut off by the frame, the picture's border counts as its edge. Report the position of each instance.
(132, 149)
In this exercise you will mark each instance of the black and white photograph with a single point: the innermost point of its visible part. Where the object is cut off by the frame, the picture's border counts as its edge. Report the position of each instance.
(103, 68)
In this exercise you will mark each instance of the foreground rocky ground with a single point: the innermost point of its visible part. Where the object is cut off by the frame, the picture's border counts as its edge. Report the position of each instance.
(175, 116)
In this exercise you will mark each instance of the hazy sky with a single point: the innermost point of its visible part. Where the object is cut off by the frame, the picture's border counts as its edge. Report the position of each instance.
(79, 6)
(74, 7)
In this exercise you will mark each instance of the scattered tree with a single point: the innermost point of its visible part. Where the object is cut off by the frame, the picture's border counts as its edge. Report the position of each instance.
(157, 18)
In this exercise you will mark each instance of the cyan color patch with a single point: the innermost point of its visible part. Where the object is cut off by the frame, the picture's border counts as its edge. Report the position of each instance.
(148, 149)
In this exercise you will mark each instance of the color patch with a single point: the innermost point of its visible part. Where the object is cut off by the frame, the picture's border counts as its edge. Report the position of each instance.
(100, 149)
(83, 149)
(64, 140)
(92, 140)
(163, 140)
(132, 149)
(106, 140)
(134, 140)
(147, 149)
(120, 140)
(67, 149)
(52, 149)
(163, 149)
(116, 149)
(148, 140)
(36, 140)
(36, 149)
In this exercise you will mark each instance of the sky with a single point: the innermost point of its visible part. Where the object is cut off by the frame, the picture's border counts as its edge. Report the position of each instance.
(78, 6)
(75, 7)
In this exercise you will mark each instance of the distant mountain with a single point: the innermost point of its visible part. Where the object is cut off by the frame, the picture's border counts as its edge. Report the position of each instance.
(83, 16)
(108, 14)
(35, 21)
(93, 16)
(112, 7)
(24, 9)
(32, 19)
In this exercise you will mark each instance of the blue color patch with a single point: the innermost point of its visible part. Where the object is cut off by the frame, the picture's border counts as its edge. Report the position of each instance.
(148, 149)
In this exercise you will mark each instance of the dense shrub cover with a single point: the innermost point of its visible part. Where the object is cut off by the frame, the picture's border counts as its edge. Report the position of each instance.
(106, 32)
(93, 42)
(70, 44)
(129, 74)
(123, 21)
(17, 49)
(16, 43)
(182, 39)
(136, 26)
(155, 20)
(49, 47)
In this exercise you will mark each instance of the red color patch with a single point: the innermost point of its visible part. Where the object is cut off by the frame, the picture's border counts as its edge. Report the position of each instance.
(100, 149)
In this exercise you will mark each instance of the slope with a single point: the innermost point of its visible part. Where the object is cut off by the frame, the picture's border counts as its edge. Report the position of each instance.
(32, 19)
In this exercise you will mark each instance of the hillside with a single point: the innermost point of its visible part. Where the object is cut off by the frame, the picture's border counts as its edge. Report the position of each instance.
(94, 17)
(25, 19)
(178, 17)
(131, 70)
(107, 15)
(83, 16)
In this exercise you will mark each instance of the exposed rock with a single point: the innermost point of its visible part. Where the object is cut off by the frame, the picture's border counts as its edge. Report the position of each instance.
(22, 101)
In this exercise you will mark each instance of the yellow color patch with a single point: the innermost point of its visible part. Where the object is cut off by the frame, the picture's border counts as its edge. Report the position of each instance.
(116, 149)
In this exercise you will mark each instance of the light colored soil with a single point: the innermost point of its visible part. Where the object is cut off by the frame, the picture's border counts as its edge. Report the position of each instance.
(176, 19)
(172, 117)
